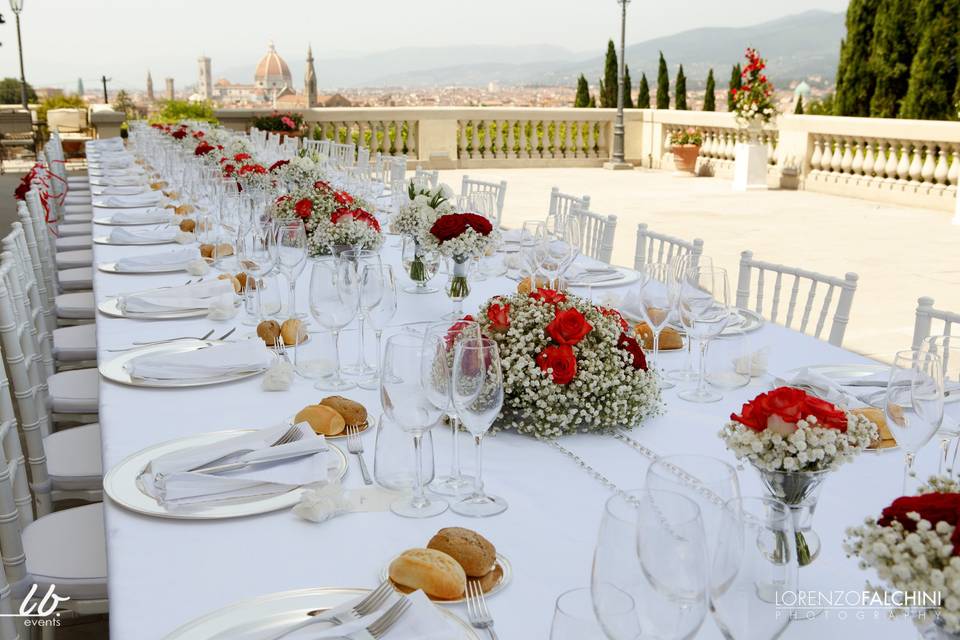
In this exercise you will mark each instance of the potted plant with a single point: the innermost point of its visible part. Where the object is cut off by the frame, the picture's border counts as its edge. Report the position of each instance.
(754, 108)
(685, 146)
(289, 124)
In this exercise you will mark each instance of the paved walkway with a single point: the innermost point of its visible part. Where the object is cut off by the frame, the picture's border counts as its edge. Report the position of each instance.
(900, 253)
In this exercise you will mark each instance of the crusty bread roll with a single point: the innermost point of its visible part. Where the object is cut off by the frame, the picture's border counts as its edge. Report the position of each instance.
(269, 331)
(669, 338)
(436, 573)
(476, 554)
(206, 250)
(322, 420)
(526, 285)
(354, 413)
(224, 249)
(293, 332)
(188, 224)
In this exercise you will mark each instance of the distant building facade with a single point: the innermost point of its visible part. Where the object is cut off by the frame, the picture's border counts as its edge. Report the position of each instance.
(310, 80)
(170, 91)
(150, 97)
(205, 84)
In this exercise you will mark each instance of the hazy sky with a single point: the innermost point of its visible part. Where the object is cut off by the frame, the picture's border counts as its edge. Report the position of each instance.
(67, 39)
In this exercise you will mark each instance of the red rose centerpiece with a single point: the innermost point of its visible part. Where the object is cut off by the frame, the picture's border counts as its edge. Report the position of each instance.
(793, 440)
(461, 237)
(568, 366)
(332, 218)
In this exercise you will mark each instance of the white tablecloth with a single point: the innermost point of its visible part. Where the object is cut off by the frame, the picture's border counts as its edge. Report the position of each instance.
(163, 573)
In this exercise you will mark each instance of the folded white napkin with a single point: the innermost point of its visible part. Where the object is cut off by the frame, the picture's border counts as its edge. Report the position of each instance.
(827, 388)
(159, 261)
(119, 190)
(194, 296)
(211, 362)
(512, 235)
(116, 181)
(126, 202)
(421, 621)
(123, 235)
(167, 480)
(153, 215)
(589, 273)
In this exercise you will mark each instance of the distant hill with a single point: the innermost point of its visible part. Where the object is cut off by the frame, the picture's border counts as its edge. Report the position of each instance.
(797, 47)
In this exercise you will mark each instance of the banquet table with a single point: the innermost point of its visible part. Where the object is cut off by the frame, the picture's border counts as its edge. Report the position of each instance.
(164, 572)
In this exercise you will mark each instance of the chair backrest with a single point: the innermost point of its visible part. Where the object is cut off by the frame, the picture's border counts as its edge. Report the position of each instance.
(425, 178)
(562, 203)
(343, 154)
(363, 158)
(660, 247)
(44, 244)
(29, 233)
(597, 232)
(22, 268)
(820, 291)
(498, 189)
(398, 168)
(923, 327)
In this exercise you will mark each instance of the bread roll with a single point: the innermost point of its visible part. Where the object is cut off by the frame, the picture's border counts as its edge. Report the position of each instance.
(292, 332)
(322, 420)
(237, 287)
(269, 331)
(188, 224)
(436, 573)
(669, 338)
(354, 413)
(476, 554)
(184, 209)
(525, 285)
(224, 249)
(206, 250)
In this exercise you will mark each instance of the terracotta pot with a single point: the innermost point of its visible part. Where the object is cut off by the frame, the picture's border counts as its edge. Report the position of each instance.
(685, 157)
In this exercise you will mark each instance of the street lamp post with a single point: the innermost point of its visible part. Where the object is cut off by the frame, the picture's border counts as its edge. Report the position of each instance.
(618, 161)
(17, 6)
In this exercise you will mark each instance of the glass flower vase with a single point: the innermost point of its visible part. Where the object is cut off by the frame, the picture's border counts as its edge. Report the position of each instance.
(419, 265)
(799, 490)
(458, 285)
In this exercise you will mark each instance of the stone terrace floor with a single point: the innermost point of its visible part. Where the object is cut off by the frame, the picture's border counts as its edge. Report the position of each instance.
(900, 253)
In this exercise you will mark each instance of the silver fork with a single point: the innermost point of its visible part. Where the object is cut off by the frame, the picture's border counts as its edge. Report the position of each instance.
(227, 334)
(477, 610)
(292, 434)
(280, 348)
(379, 627)
(153, 342)
(355, 446)
(370, 603)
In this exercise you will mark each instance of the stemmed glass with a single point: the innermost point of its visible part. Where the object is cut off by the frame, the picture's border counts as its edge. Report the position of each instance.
(652, 295)
(754, 566)
(292, 258)
(948, 348)
(377, 282)
(334, 299)
(558, 249)
(477, 384)
(413, 391)
(652, 547)
(443, 338)
(704, 306)
(678, 267)
(530, 247)
(257, 255)
(913, 406)
(359, 259)
(574, 619)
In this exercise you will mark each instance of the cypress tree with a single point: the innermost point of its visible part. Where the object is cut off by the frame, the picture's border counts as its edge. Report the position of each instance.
(627, 88)
(608, 92)
(799, 108)
(736, 81)
(643, 99)
(891, 54)
(933, 74)
(681, 90)
(583, 93)
(593, 102)
(855, 81)
(710, 95)
(663, 85)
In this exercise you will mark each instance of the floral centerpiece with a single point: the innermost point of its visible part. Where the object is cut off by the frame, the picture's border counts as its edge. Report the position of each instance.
(298, 172)
(331, 217)
(568, 366)
(279, 122)
(415, 219)
(793, 440)
(914, 546)
(752, 101)
(461, 237)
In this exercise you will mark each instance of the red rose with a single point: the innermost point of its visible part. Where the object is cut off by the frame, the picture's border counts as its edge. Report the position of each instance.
(448, 227)
(203, 148)
(561, 362)
(279, 163)
(568, 327)
(613, 313)
(304, 208)
(788, 405)
(283, 199)
(827, 414)
(179, 134)
(240, 157)
(456, 328)
(228, 170)
(499, 316)
(343, 198)
(932, 507)
(320, 185)
(371, 221)
(631, 346)
(477, 222)
(548, 296)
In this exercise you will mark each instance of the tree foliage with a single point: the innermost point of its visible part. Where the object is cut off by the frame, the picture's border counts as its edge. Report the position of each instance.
(891, 55)
(799, 108)
(736, 81)
(710, 93)
(680, 88)
(855, 81)
(608, 91)
(582, 100)
(10, 91)
(643, 98)
(58, 102)
(177, 110)
(663, 84)
(931, 92)
(627, 88)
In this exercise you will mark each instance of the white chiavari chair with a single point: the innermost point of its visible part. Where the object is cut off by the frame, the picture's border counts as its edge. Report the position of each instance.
(343, 154)
(819, 290)
(562, 203)
(660, 247)
(28, 293)
(498, 189)
(66, 257)
(597, 232)
(76, 207)
(426, 179)
(69, 236)
(924, 327)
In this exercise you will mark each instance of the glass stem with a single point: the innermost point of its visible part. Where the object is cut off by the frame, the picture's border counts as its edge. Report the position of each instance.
(455, 452)
(376, 365)
(656, 347)
(702, 378)
(944, 450)
(907, 470)
(336, 356)
(362, 356)
(259, 301)
(292, 300)
(419, 500)
(478, 477)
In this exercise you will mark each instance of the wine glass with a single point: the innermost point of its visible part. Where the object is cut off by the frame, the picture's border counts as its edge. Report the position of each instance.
(557, 249)
(754, 566)
(257, 256)
(413, 390)
(334, 298)
(704, 306)
(420, 265)
(948, 348)
(477, 385)
(651, 546)
(443, 338)
(359, 259)
(913, 406)
(292, 258)
(377, 282)
(574, 619)
(679, 264)
(651, 298)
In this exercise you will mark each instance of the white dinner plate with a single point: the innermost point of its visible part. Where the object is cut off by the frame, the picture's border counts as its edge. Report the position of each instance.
(117, 369)
(111, 307)
(746, 322)
(108, 222)
(124, 205)
(627, 276)
(111, 267)
(122, 484)
(842, 372)
(264, 617)
(502, 561)
(107, 240)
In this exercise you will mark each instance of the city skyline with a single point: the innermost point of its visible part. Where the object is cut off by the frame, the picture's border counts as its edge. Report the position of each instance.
(112, 42)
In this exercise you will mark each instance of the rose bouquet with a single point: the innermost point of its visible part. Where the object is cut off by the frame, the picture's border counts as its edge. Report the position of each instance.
(752, 101)
(461, 237)
(568, 366)
(298, 172)
(794, 440)
(421, 210)
(914, 546)
(330, 217)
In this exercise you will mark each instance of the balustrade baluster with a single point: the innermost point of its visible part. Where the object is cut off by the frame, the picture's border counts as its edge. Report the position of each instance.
(868, 159)
(940, 171)
(568, 151)
(836, 163)
(916, 164)
(817, 155)
(929, 164)
(603, 151)
(827, 160)
(953, 175)
(556, 140)
(903, 167)
(893, 161)
(880, 164)
(413, 132)
(476, 140)
(591, 143)
(856, 164)
(462, 136)
(524, 152)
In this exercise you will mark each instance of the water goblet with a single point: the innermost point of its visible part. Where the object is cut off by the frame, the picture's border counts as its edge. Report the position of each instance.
(334, 298)
(913, 406)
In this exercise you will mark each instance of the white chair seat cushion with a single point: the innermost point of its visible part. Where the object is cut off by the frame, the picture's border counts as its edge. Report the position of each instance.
(73, 344)
(83, 197)
(78, 218)
(75, 391)
(73, 458)
(75, 305)
(68, 548)
(72, 243)
(75, 229)
(77, 279)
(78, 179)
(78, 208)
(74, 259)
